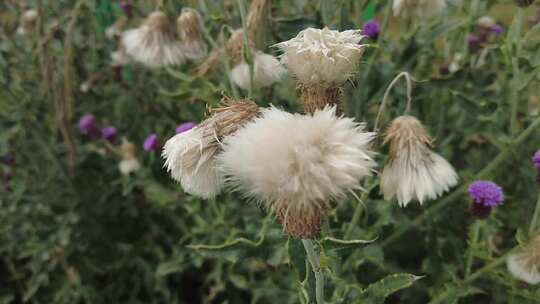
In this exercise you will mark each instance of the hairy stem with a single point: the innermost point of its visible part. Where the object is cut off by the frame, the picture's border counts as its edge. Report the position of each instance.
(313, 259)
(494, 264)
(472, 247)
(534, 219)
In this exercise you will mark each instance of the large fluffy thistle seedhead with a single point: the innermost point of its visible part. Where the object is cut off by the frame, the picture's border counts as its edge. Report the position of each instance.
(414, 172)
(525, 264)
(298, 165)
(190, 156)
(189, 28)
(266, 70)
(322, 57)
(418, 8)
(154, 43)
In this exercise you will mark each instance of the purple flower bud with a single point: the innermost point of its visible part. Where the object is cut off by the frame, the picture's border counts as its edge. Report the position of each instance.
(151, 143)
(497, 29)
(185, 127)
(536, 159)
(109, 133)
(8, 159)
(126, 7)
(486, 193)
(475, 42)
(444, 69)
(87, 125)
(371, 29)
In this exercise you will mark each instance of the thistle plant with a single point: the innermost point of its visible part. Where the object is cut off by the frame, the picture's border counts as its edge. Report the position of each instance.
(316, 179)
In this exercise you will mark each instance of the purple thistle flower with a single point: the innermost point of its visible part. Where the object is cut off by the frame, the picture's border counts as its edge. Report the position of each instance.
(185, 127)
(371, 29)
(475, 42)
(8, 159)
(536, 160)
(126, 7)
(486, 193)
(444, 69)
(151, 143)
(87, 125)
(109, 133)
(497, 30)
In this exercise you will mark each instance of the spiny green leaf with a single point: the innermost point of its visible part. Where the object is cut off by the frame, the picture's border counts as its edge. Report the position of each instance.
(376, 293)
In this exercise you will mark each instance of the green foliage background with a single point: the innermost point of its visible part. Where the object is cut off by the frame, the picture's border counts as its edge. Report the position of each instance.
(73, 230)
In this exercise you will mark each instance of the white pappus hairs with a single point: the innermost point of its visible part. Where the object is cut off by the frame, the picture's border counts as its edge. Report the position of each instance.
(414, 172)
(189, 28)
(525, 264)
(298, 165)
(418, 8)
(155, 43)
(190, 156)
(266, 70)
(322, 57)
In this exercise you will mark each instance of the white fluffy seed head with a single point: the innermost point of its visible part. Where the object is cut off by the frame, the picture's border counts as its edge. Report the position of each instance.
(190, 156)
(414, 172)
(525, 265)
(322, 57)
(298, 164)
(266, 70)
(189, 28)
(418, 8)
(154, 43)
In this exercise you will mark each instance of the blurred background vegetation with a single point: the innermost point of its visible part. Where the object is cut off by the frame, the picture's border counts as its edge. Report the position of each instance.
(74, 230)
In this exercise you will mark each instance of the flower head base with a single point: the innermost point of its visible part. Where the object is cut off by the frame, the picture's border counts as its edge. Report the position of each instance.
(414, 172)
(420, 9)
(151, 143)
(266, 71)
(486, 193)
(185, 127)
(189, 28)
(371, 29)
(154, 43)
(298, 165)
(322, 57)
(190, 156)
(525, 264)
(129, 162)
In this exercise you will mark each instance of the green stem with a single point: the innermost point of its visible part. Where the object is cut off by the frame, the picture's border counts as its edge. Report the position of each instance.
(514, 93)
(494, 264)
(534, 219)
(472, 247)
(378, 51)
(313, 259)
(246, 49)
(493, 165)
